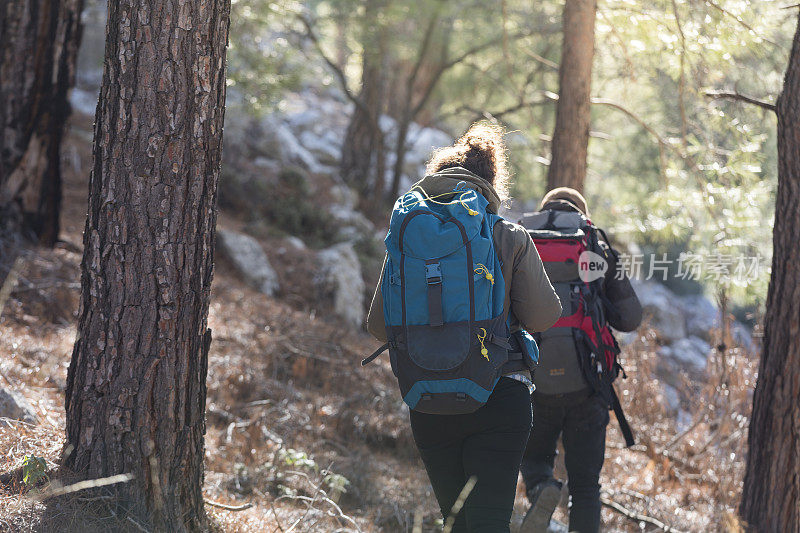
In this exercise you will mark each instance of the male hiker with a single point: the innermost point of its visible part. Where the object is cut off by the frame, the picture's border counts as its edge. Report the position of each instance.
(577, 361)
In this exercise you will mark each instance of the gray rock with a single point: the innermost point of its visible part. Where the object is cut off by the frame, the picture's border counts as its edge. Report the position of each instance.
(688, 354)
(672, 398)
(743, 337)
(663, 308)
(15, 406)
(702, 315)
(325, 148)
(339, 281)
(296, 242)
(292, 151)
(352, 224)
(249, 260)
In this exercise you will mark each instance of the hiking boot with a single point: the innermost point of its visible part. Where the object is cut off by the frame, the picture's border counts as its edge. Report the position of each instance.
(544, 498)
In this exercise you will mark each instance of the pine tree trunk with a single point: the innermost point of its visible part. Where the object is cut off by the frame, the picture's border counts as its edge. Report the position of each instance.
(39, 42)
(136, 386)
(771, 497)
(573, 111)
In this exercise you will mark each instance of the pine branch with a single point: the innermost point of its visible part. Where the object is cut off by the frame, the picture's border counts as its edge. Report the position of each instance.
(734, 95)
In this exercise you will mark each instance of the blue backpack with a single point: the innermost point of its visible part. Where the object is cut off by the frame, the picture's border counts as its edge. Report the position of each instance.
(443, 295)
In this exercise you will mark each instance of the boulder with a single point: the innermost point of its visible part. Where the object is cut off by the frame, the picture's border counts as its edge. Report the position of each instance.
(249, 259)
(663, 308)
(688, 354)
(672, 399)
(339, 281)
(702, 315)
(326, 147)
(743, 337)
(292, 151)
(15, 406)
(352, 225)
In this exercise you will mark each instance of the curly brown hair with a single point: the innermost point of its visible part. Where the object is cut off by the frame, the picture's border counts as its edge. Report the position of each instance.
(482, 151)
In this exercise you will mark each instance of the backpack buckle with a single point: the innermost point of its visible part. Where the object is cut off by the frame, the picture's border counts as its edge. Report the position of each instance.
(433, 273)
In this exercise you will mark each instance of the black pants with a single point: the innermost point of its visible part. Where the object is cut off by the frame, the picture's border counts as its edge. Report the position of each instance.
(583, 427)
(487, 444)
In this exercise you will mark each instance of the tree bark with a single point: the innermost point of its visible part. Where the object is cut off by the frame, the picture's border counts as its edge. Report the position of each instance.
(136, 386)
(573, 111)
(39, 42)
(363, 162)
(771, 496)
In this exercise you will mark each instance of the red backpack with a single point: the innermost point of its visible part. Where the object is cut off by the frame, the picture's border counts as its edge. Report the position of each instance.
(579, 351)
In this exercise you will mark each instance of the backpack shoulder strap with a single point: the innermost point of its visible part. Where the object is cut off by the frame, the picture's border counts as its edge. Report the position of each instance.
(627, 432)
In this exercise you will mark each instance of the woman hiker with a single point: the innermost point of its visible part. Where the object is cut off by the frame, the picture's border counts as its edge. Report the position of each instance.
(485, 440)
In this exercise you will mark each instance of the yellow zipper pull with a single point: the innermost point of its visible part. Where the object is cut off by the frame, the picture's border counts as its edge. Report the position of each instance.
(481, 269)
(484, 351)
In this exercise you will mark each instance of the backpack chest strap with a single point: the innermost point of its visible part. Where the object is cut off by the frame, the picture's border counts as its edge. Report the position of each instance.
(433, 277)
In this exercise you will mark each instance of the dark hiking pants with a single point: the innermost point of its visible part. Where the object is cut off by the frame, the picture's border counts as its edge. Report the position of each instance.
(487, 444)
(583, 430)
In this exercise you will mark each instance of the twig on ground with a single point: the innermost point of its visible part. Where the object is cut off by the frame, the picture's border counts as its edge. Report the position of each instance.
(638, 517)
(462, 497)
(247, 505)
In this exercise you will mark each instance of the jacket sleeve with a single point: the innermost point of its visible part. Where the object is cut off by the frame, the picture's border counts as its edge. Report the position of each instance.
(375, 322)
(622, 306)
(533, 300)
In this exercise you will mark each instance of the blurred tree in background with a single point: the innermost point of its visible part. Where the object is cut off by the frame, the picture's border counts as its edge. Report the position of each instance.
(39, 42)
(573, 111)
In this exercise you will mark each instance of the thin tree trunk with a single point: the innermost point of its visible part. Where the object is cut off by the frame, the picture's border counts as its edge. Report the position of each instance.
(39, 42)
(573, 111)
(440, 42)
(136, 386)
(400, 154)
(771, 497)
(363, 153)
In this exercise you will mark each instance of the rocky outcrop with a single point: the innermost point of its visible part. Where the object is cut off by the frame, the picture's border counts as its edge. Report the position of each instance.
(249, 260)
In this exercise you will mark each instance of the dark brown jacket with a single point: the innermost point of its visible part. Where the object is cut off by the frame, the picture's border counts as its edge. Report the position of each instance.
(529, 295)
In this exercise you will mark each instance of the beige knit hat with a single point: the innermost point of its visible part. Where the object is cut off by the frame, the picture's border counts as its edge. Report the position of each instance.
(566, 194)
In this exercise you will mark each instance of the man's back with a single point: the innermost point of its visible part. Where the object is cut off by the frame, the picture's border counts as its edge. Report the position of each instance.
(577, 359)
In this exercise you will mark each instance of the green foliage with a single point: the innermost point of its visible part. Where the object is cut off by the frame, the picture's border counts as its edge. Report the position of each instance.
(262, 61)
(34, 470)
(297, 458)
(337, 483)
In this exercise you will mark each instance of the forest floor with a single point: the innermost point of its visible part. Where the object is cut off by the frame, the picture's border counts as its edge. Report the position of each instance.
(314, 442)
